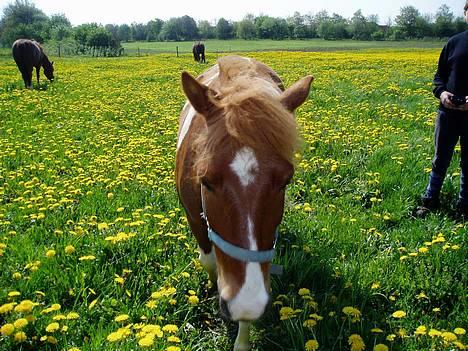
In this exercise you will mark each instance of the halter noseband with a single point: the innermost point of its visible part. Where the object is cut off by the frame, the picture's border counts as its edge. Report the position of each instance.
(237, 252)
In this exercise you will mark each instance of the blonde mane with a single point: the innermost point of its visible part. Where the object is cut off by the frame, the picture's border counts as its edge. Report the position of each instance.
(249, 114)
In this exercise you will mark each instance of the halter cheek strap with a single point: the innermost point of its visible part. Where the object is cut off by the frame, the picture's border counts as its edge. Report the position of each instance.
(237, 252)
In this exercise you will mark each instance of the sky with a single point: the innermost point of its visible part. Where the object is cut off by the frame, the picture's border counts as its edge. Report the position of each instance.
(119, 11)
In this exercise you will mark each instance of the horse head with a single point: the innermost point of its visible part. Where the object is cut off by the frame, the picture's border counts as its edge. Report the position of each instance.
(244, 161)
(48, 69)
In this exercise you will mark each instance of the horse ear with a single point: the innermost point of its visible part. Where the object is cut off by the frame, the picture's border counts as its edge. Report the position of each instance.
(197, 93)
(296, 94)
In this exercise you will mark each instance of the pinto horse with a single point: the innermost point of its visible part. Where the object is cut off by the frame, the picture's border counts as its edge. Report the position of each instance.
(29, 54)
(198, 51)
(235, 150)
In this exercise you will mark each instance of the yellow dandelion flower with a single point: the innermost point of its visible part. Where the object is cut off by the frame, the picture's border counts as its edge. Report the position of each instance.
(20, 336)
(172, 348)
(14, 293)
(7, 329)
(173, 338)
(121, 318)
(309, 323)
(311, 345)
(20, 323)
(69, 249)
(50, 253)
(304, 291)
(390, 337)
(399, 314)
(73, 315)
(115, 336)
(52, 327)
(380, 347)
(459, 331)
(353, 313)
(376, 330)
(74, 349)
(433, 333)
(87, 258)
(92, 304)
(8, 307)
(193, 300)
(356, 342)
(421, 330)
(448, 336)
(147, 341)
(170, 328)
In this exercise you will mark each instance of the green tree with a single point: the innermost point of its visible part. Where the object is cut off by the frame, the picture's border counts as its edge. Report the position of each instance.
(224, 29)
(60, 27)
(246, 28)
(188, 28)
(22, 19)
(206, 30)
(360, 28)
(124, 33)
(407, 21)
(274, 28)
(444, 25)
(138, 31)
(153, 29)
(170, 30)
(297, 26)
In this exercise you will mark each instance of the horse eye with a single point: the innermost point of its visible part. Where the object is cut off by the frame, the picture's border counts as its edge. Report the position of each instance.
(206, 184)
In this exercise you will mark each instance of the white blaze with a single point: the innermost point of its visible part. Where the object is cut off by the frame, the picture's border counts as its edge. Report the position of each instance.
(245, 165)
(252, 298)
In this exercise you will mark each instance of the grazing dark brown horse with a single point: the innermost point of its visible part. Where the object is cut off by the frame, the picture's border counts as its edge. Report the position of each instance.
(198, 51)
(235, 150)
(29, 54)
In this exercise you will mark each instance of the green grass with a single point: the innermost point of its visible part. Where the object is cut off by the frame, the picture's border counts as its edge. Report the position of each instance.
(223, 46)
(92, 155)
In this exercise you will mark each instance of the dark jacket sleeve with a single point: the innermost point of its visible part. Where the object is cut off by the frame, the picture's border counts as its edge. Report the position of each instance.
(442, 74)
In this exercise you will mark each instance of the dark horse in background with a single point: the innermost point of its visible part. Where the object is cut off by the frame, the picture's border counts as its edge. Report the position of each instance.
(29, 54)
(198, 50)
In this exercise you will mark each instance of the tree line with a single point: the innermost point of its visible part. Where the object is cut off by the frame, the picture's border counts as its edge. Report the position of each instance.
(22, 19)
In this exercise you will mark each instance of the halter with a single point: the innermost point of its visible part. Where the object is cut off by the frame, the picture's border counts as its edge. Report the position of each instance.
(237, 252)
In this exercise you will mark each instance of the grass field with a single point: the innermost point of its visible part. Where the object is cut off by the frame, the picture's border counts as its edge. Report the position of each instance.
(223, 46)
(94, 246)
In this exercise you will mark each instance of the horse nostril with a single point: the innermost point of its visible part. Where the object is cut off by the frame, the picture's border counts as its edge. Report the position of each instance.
(224, 308)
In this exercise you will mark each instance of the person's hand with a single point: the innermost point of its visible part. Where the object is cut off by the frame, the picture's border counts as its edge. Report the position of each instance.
(465, 106)
(445, 100)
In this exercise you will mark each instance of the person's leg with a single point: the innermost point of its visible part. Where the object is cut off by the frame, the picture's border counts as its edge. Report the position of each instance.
(447, 131)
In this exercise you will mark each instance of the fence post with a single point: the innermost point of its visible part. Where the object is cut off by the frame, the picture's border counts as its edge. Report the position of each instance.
(177, 50)
(59, 50)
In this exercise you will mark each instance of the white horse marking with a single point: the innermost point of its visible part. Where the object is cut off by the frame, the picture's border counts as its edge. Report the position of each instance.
(208, 261)
(252, 298)
(244, 165)
(190, 114)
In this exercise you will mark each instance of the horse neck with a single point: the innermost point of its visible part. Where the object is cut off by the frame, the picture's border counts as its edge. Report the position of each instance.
(44, 59)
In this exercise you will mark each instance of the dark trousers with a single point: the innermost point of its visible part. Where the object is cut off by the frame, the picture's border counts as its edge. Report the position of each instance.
(450, 127)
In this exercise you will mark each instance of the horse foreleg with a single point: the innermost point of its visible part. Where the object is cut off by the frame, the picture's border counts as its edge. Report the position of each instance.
(208, 261)
(242, 342)
(27, 77)
(37, 74)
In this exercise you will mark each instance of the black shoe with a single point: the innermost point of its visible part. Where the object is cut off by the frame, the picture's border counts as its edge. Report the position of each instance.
(427, 206)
